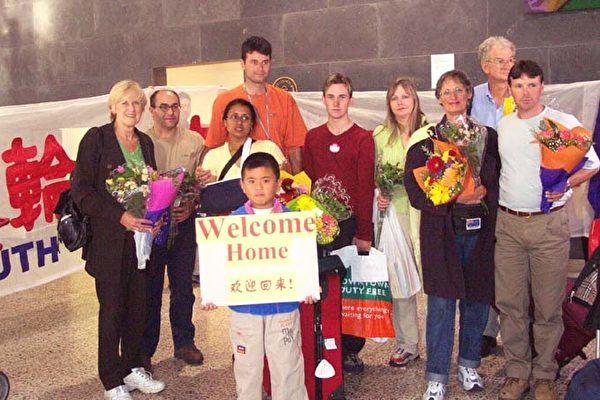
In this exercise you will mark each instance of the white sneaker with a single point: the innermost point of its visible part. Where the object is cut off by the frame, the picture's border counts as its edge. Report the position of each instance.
(118, 393)
(469, 379)
(435, 391)
(141, 380)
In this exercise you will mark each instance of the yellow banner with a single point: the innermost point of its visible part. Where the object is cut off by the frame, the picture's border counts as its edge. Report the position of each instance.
(254, 259)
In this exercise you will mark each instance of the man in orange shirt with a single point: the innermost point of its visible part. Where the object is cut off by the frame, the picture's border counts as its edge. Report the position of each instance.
(278, 117)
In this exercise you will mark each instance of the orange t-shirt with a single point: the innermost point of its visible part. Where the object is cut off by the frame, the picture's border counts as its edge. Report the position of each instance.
(286, 126)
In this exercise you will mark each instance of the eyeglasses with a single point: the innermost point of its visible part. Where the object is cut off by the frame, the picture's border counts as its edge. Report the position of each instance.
(239, 118)
(449, 92)
(165, 107)
(502, 62)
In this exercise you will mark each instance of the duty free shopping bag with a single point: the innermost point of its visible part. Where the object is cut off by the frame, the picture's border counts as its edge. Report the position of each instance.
(366, 298)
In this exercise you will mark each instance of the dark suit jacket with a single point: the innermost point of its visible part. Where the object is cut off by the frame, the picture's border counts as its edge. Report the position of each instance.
(99, 154)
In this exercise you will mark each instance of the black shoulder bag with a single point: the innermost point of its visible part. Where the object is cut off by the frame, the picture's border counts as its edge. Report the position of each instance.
(223, 197)
(73, 227)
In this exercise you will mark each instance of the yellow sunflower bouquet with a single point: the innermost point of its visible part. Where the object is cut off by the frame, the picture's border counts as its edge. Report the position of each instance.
(443, 176)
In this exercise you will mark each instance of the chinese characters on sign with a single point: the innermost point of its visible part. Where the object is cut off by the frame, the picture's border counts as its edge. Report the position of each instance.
(24, 179)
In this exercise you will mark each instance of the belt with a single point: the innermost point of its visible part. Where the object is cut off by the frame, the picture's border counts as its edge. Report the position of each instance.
(527, 213)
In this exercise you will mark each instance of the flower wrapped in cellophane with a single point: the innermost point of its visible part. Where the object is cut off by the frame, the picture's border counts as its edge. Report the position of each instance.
(327, 225)
(176, 187)
(146, 194)
(563, 153)
(443, 175)
(329, 191)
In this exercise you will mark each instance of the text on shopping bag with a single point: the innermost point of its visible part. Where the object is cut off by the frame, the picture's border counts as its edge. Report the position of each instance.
(254, 259)
(366, 309)
(366, 304)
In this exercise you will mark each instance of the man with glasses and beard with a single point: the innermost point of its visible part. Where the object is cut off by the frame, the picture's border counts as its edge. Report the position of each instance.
(174, 147)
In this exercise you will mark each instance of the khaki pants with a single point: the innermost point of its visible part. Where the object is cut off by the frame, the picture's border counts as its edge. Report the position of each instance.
(531, 251)
(406, 324)
(277, 336)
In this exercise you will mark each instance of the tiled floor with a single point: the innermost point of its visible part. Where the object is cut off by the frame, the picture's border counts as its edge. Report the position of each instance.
(48, 338)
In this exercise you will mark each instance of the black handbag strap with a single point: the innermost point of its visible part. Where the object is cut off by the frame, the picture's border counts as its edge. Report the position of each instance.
(236, 156)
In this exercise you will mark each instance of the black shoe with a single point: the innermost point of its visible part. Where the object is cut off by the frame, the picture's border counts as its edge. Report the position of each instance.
(352, 363)
(488, 346)
(190, 354)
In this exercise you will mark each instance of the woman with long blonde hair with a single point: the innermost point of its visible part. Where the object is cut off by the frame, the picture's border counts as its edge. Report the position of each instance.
(392, 140)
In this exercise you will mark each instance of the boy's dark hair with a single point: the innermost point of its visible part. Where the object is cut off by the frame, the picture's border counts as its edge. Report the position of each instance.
(156, 92)
(525, 67)
(242, 102)
(338, 78)
(256, 43)
(260, 159)
(456, 75)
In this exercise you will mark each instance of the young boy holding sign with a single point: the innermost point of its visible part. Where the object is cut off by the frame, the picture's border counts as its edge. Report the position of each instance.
(271, 329)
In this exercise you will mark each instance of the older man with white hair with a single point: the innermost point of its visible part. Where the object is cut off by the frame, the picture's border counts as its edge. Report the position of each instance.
(491, 101)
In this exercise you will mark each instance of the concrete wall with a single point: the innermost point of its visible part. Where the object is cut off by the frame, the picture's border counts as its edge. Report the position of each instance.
(61, 49)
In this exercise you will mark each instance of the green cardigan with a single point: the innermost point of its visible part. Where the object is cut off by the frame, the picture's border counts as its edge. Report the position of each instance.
(396, 153)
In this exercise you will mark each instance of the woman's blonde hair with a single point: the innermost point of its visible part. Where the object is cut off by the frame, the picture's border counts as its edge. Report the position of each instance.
(119, 91)
(416, 118)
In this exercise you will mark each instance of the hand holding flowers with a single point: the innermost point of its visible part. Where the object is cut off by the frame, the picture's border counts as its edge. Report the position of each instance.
(388, 177)
(132, 223)
(562, 154)
(146, 197)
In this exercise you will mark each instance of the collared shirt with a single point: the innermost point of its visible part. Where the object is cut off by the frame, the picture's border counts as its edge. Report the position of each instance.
(520, 184)
(485, 110)
(181, 150)
(284, 122)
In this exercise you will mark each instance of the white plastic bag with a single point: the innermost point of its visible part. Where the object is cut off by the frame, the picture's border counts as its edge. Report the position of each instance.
(371, 268)
(402, 268)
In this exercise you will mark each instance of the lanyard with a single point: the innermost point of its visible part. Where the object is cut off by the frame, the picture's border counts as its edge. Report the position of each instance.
(265, 129)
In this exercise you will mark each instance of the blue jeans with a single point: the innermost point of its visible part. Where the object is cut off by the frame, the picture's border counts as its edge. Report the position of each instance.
(441, 313)
(179, 262)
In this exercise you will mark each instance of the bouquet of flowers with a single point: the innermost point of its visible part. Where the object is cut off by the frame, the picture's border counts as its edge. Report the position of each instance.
(130, 186)
(327, 226)
(563, 154)
(442, 178)
(328, 199)
(470, 138)
(387, 177)
(144, 193)
(290, 189)
(333, 196)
